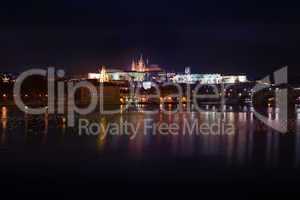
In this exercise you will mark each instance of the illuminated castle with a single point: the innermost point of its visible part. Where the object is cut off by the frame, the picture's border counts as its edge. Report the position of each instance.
(138, 66)
(140, 71)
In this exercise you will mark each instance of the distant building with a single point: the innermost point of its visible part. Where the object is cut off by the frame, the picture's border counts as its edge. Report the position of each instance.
(234, 79)
(187, 70)
(140, 71)
(139, 65)
(94, 76)
(117, 75)
(103, 75)
(194, 78)
(126, 76)
(7, 78)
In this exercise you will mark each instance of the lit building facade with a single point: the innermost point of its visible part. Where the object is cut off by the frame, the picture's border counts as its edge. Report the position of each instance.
(117, 75)
(138, 66)
(209, 78)
(102, 77)
(94, 76)
(234, 79)
(6, 78)
(142, 71)
(126, 76)
(194, 78)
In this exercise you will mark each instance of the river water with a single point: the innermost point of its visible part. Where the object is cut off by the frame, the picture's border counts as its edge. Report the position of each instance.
(35, 148)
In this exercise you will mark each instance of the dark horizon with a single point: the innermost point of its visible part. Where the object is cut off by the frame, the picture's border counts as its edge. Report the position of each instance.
(210, 37)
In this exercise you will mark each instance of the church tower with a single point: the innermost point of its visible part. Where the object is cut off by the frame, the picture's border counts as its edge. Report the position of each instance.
(133, 65)
(103, 75)
(141, 64)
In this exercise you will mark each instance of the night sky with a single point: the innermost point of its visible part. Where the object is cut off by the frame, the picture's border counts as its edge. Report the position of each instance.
(209, 36)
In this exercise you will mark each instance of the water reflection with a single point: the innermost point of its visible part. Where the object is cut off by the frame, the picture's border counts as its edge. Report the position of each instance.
(101, 136)
(4, 120)
(251, 143)
(45, 132)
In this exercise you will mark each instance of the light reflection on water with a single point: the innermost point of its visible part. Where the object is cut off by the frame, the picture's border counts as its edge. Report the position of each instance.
(3, 123)
(251, 144)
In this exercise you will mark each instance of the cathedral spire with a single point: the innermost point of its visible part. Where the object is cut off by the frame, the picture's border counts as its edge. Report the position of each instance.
(133, 65)
(141, 58)
(141, 64)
